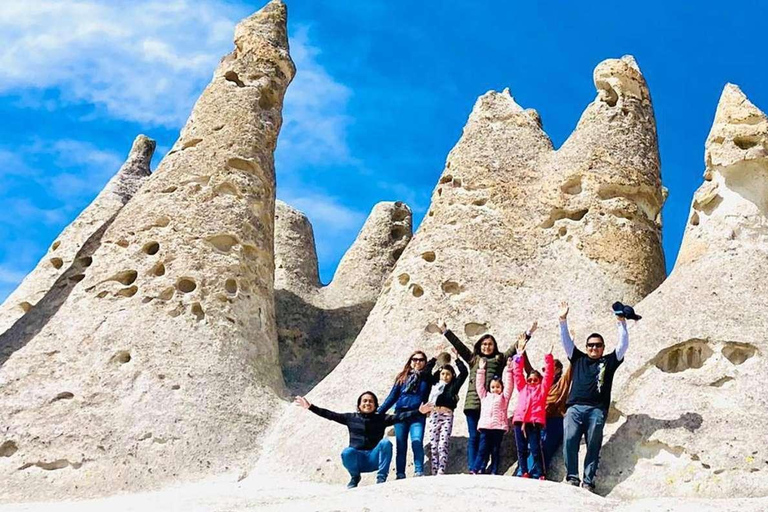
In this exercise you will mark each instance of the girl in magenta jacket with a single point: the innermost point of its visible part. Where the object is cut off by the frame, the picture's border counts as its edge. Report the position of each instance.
(493, 416)
(531, 414)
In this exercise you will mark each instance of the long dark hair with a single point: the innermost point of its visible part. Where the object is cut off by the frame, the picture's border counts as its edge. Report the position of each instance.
(478, 353)
(400, 379)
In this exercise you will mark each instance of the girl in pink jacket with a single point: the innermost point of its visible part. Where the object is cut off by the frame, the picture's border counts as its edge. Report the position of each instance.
(493, 417)
(531, 413)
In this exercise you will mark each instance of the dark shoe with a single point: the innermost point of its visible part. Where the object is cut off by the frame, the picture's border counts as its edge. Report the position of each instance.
(400, 476)
(353, 482)
(590, 488)
(574, 482)
(381, 479)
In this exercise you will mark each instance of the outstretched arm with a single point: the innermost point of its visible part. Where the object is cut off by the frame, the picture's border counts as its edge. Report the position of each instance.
(461, 348)
(463, 374)
(623, 345)
(565, 336)
(323, 413)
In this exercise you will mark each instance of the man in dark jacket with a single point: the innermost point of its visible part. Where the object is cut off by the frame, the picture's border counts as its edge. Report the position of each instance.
(368, 451)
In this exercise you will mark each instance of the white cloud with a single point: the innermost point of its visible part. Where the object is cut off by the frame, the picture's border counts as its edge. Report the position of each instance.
(144, 60)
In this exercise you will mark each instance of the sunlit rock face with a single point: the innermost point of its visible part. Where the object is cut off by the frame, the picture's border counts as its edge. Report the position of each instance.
(514, 227)
(689, 406)
(162, 363)
(70, 254)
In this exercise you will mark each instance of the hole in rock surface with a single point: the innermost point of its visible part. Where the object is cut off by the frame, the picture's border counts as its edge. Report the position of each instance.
(417, 290)
(446, 179)
(399, 232)
(432, 328)
(480, 202)
(572, 186)
(242, 164)
(186, 285)
(125, 277)
(746, 141)
(122, 357)
(128, 292)
(695, 219)
(428, 256)
(558, 214)
(55, 245)
(267, 99)
(400, 213)
(687, 355)
(231, 286)
(231, 76)
(64, 395)
(167, 294)
(158, 270)
(25, 306)
(721, 381)
(738, 353)
(57, 262)
(197, 310)
(473, 329)
(451, 287)
(191, 143)
(168, 190)
(77, 278)
(85, 261)
(403, 279)
(397, 253)
(223, 243)
(151, 248)
(8, 448)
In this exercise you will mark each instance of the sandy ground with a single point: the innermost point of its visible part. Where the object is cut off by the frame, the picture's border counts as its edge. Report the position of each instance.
(457, 492)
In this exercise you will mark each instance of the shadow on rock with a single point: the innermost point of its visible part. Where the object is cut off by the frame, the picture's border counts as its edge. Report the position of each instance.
(631, 442)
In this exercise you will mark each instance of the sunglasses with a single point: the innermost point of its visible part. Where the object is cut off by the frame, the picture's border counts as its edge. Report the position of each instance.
(595, 345)
(533, 380)
(418, 360)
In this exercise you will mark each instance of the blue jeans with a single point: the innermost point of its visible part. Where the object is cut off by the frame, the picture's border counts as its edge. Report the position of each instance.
(489, 446)
(580, 421)
(366, 461)
(551, 439)
(530, 445)
(473, 418)
(415, 428)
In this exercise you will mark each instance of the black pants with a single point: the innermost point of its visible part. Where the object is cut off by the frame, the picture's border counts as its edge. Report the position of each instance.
(490, 446)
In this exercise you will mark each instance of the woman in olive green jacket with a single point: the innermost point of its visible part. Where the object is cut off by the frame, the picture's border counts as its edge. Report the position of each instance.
(486, 348)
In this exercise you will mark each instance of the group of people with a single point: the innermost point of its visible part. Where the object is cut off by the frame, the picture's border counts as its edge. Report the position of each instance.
(553, 405)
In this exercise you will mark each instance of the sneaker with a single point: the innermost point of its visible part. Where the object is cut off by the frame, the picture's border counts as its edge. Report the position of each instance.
(542, 477)
(472, 472)
(400, 476)
(418, 474)
(381, 479)
(574, 482)
(526, 475)
(353, 482)
(590, 488)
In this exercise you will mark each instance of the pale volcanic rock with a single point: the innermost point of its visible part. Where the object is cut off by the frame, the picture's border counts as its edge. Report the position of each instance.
(690, 403)
(162, 364)
(513, 228)
(317, 324)
(68, 253)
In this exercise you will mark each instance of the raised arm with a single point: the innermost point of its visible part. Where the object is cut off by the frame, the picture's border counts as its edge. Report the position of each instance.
(464, 352)
(549, 371)
(480, 380)
(325, 413)
(623, 345)
(507, 380)
(388, 402)
(565, 336)
(517, 371)
(463, 374)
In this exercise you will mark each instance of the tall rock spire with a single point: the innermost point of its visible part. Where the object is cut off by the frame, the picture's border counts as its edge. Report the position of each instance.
(317, 324)
(513, 224)
(688, 386)
(71, 252)
(163, 363)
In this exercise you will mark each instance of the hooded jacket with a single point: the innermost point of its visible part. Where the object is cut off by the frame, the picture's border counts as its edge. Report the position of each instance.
(493, 407)
(532, 399)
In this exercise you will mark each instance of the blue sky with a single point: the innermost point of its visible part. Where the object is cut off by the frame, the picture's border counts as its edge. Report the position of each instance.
(383, 90)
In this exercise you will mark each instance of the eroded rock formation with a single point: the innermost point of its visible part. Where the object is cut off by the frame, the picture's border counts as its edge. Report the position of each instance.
(690, 396)
(163, 364)
(513, 228)
(317, 324)
(71, 252)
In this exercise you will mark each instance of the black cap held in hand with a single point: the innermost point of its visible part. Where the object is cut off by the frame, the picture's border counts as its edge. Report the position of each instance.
(627, 312)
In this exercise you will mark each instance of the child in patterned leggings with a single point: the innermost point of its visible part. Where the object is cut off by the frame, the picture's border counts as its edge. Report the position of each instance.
(445, 397)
